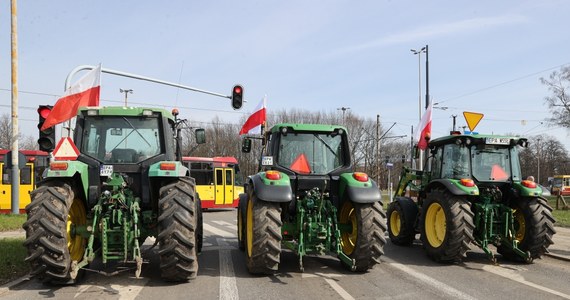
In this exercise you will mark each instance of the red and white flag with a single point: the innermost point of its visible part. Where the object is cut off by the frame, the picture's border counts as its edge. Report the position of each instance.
(85, 92)
(423, 131)
(257, 118)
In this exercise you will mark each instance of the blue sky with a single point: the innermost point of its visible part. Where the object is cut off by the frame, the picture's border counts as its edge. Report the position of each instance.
(484, 56)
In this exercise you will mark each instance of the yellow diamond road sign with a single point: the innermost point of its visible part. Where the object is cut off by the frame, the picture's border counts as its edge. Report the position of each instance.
(472, 119)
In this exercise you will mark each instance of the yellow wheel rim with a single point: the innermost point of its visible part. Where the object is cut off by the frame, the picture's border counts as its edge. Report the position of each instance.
(395, 223)
(435, 227)
(249, 227)
(520, 225)
(348, 239)
(75, 242)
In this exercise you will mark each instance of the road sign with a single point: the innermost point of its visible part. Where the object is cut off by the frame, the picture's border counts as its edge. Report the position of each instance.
(65, 150)
(472, 119)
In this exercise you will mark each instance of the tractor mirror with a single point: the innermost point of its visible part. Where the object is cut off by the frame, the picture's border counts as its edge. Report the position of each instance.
(246, 145)
(200, 136)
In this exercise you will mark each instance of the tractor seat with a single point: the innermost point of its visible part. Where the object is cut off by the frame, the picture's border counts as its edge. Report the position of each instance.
(123, 156)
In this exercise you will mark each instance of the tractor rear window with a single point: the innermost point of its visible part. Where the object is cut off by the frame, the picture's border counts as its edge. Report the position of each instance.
(122, 139)
(492, 163)
(311, 153)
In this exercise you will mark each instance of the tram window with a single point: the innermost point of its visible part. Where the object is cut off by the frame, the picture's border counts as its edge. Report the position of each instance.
(229, 180)
(219, 177)
(6, 175)
(26, 175)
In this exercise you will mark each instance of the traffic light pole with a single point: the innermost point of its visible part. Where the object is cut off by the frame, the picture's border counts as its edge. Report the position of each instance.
(15, 202)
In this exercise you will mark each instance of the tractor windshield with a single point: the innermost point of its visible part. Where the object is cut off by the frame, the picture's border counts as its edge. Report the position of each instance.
(493, 163)
(311, 153)
(121, 139)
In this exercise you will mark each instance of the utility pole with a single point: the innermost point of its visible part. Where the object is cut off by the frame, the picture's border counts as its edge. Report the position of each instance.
(344, 109)
(126, 93)
(15, 202)
(378, 149)
(454, 116)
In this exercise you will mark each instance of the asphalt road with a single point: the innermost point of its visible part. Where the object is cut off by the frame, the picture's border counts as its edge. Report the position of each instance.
(405, 273)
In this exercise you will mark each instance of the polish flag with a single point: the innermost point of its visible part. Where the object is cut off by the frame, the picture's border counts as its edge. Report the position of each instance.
(85, 92)
(254, 122)
(423, 131)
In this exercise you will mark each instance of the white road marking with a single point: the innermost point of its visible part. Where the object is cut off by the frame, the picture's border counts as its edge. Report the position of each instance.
(318, 274)
(228, 285)
(440, 286)
(224, 223)
(129, 292)
(220, 232)
(514, 276)
(338, 289)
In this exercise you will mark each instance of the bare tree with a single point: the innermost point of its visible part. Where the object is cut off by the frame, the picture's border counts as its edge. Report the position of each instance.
(559, 102)
(26, 142)
(549, 153)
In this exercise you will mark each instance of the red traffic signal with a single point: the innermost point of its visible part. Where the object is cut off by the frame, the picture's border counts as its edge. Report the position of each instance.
(46, 140)
(237, 96)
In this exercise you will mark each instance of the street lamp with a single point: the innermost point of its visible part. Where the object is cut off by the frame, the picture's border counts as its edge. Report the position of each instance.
(419, 53)
(344, 109)
(538, 160)
(126, 92)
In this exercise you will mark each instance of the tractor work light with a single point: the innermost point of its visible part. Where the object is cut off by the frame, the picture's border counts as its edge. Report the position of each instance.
(359, 176)
(58, 166)
(467, 182)
(529, 184)
(167, 166)
(273, 175)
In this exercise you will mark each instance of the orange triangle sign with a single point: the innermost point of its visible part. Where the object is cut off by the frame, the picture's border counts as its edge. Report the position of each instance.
(472, 119)
(65, 150)
(301, 165)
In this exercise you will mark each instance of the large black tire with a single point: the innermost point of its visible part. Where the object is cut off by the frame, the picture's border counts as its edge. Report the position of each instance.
(263, 236)
(241, 221)
(446, 226)
(402, 215)
(177, 226)
(52, 245)
(200, 225)
(534, 228)
(365, 243)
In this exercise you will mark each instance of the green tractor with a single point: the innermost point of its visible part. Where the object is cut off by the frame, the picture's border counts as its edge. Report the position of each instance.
(308, 198)
(472, 191)
(128, 183)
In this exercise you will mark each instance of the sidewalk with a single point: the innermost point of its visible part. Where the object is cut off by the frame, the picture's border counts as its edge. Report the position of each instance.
(560, 249)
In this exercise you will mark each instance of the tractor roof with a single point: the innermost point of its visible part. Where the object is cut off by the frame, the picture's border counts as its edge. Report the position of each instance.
(308, 127)
(479, 139)
(126, 111)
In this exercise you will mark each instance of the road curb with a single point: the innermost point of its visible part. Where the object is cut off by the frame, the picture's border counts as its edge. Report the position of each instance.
(13, 283)
(556, 256)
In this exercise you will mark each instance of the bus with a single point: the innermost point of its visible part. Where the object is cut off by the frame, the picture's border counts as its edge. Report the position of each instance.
(560, 185)
(36, 163)
(218, 180)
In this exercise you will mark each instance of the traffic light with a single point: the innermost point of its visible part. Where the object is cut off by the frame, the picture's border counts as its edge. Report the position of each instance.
(237, 96)
(47, 136)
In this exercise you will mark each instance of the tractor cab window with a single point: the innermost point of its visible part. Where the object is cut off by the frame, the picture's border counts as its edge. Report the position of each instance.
(492, 163)
(311, 153)
(455, 162)
(122, 139)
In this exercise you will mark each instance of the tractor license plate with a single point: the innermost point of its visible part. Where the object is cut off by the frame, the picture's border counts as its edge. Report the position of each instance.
(106, 170)
(497, 141)
(267, 161)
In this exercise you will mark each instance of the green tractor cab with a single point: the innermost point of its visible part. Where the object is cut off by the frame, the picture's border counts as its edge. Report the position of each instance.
(472, 191)
(127, 184)
(308, 198)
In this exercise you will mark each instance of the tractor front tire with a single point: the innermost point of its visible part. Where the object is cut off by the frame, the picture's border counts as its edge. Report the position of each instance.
(263, 236)
(534, 228)
(241, 222)
(365, 242)
(177, 227)
(446, 226)
(52, 245)
(402, 216)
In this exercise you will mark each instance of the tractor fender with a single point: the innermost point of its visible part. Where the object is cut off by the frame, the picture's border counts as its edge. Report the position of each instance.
(272, 190)
(358, 192)
(454, 187)
(75, 169)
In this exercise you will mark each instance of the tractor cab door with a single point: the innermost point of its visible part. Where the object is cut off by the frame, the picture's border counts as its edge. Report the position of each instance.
(224, 178)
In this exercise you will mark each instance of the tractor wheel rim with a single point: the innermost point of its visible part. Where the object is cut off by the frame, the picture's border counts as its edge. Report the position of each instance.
(348, 239)
(435, 225)
(395, 223)
(75, 242)
(520, 225)
(249, 227)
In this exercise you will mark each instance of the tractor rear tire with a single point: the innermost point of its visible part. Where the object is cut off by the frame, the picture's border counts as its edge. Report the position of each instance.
(534, 228)
(402, 216)
(241, 222)
(365, 243)
(52, 245)
(200, 225)
(263, 236)
(446, 226)
(177, 227)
